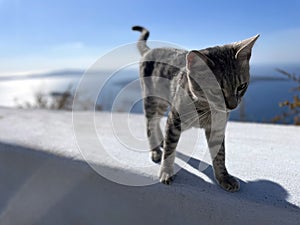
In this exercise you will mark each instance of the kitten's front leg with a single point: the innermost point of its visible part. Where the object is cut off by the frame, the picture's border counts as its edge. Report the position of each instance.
(217, 149)
(173, 131)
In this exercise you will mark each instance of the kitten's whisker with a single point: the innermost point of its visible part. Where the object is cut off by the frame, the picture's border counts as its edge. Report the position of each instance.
(194, 112)
(199, 117)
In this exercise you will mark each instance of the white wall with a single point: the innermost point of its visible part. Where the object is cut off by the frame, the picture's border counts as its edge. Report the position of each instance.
(41, 185)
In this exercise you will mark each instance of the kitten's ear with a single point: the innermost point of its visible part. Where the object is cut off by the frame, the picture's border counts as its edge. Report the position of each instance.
(196, 58)
(244, 48)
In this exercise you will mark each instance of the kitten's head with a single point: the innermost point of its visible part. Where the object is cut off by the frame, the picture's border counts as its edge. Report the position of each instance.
(221, 70)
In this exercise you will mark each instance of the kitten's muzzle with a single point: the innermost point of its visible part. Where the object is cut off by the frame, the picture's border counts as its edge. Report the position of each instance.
(232, 102)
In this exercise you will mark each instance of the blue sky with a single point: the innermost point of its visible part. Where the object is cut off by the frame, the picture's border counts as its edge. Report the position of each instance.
(46, 35)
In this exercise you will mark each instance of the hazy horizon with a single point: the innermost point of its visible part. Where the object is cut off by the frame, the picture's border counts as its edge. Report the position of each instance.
(256, 70)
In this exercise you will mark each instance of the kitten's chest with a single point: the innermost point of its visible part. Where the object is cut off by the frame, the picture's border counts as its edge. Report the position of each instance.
(198, 120)
(192, 114)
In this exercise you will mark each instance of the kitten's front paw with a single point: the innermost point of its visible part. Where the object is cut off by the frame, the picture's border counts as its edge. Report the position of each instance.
(166, 175)
(229, 183)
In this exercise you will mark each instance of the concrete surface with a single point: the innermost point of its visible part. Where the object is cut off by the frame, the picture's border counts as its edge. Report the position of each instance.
(46, 174)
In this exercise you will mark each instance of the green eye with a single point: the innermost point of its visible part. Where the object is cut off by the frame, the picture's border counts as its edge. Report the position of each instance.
(242, 87)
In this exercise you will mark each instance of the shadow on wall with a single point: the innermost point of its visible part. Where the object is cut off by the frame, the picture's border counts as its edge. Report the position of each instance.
(41, 188)
(259, 191)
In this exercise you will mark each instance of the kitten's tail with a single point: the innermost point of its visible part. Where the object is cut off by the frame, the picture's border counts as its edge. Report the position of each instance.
(143, 48)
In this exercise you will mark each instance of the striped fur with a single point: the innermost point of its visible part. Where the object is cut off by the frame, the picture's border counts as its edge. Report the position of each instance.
(180, 80)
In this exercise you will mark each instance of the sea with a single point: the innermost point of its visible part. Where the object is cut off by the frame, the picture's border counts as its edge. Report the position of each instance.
(120, 91)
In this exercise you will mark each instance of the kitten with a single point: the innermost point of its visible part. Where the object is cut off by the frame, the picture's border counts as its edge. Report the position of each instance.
(199, 88)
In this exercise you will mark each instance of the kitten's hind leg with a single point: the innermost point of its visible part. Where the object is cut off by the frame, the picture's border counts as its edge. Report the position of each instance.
(161, 109)
(154, 138)
(155, 109)
(154, 134)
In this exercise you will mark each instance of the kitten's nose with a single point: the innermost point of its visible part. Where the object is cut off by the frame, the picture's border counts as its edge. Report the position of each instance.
(231, 102)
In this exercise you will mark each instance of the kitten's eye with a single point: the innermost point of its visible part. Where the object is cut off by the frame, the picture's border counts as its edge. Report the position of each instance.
(242, 87)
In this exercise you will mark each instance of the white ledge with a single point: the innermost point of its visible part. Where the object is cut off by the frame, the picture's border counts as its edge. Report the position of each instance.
(45, 180)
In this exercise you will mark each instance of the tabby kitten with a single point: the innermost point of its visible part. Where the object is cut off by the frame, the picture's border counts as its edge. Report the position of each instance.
(199, 88)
